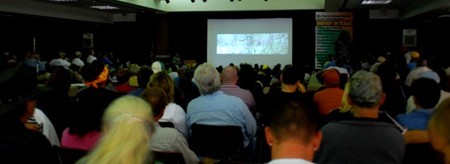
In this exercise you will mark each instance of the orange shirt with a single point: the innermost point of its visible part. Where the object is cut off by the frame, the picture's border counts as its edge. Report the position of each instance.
(328, 99)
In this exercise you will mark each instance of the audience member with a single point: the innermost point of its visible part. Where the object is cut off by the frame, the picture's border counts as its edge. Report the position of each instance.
(426, 94)
(60, 61)
(166, 139)
(143, 77)
(364, 139)
(173, 112)
(214, 107)
(126, 132)
(229, 80)
(293, 135)
(288, 92)
(84, 126)
(439, 131)
(329, 98)
(17, 104)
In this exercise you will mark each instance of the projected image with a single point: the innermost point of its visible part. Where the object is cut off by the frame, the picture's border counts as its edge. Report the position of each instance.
(253, 44)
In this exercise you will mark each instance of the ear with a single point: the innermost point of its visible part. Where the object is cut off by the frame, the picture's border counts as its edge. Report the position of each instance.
(269, 137)
(383, 98)
(414, 100)
(30, 105)
(316, 140)
(349, 100)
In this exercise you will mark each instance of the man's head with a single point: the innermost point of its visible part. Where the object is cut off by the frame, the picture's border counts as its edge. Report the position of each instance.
(230, 75)
(331, 78)
(19, 92)
(207, 78)
(426, 93)
(295, 124)
(290, 75)
(365, 90)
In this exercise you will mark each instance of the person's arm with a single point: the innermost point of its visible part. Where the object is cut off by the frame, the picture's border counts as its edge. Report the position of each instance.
(180, 121)
(416, 136)
(183, 147)
(250, 122)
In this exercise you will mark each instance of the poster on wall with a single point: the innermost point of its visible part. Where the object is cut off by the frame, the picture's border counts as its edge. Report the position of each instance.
(334, 32)
(88, 40)
(409, 37)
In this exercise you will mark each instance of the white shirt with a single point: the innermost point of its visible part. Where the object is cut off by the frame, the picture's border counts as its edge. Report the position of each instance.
(410, 105)
(60, 62)
(47, 127)
(78, 62)
(90, 59)
(176, 115)
(172, 141)
(415, 74)
(290, 161)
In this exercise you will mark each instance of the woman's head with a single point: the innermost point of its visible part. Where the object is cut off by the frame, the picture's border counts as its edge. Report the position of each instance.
(157, 98)
(164, 81)
(438, 129)
(127, 128)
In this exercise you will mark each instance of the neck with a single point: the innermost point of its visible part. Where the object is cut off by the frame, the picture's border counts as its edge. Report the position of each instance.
(363, 112)
(291, 149)
(288, 88)
(228, 83)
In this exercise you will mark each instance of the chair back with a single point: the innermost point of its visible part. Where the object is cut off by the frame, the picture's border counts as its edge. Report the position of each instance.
(69, 155)
(420, 153)
(219, 142)
(167, 157)
(166, 124)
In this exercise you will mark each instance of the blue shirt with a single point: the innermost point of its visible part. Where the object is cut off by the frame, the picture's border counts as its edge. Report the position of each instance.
(221, 109)
(416, 120)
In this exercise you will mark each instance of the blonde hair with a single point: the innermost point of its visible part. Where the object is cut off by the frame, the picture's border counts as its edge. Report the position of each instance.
(164, 81)
(345, 106)
(441, 119)
(127, 128)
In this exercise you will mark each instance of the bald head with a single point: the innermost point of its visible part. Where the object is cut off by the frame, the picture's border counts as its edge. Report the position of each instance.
(229, 75)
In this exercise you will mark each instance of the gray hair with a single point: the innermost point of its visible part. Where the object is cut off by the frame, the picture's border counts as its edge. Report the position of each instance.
(365, 89)
(207, 78)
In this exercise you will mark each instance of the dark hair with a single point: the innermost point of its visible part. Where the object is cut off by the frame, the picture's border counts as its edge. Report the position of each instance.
(157, 98)
(290, 75)
(91, 71)
(123, 75)
(60, 77)
(295, 120)
(144, 76)
(426, 92)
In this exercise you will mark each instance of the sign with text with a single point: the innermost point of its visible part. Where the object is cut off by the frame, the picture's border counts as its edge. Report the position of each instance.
(329, 26)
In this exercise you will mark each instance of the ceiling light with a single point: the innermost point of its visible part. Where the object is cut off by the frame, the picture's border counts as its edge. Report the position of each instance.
(105, 7)
(375, 2)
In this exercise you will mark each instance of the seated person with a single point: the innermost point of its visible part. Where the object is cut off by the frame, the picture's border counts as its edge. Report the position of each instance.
(426, 94)
(364, 138)
(294, 134)
(214, 107)
(84, 127)
(173, 112)
(18, 144)
(126, 133)
(330, 97)
(439, 130)
(166, 139)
